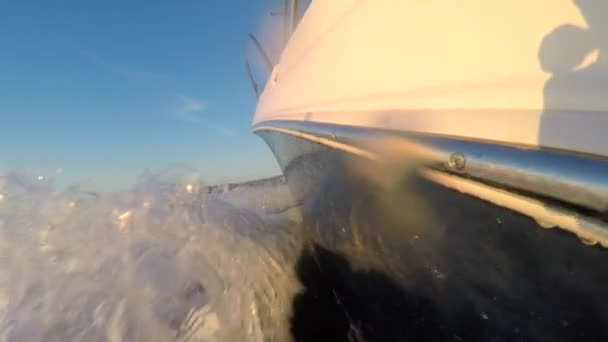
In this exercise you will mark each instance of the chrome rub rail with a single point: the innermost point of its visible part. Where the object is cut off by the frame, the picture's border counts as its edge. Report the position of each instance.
(571, 178)
(493, 172)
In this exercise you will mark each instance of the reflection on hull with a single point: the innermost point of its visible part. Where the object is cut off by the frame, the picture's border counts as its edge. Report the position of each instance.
(417, 260)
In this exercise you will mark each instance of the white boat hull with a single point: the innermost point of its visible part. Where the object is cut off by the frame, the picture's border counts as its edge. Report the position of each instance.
(520, 72)
(433, 142)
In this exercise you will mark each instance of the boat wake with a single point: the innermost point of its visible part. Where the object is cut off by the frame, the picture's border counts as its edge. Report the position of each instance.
(163, 261)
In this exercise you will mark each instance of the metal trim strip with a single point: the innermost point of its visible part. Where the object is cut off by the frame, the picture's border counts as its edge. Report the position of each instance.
(577, 179)
(554, 174)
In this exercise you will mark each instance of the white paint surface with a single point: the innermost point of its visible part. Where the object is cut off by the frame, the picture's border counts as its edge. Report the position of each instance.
(519, 71)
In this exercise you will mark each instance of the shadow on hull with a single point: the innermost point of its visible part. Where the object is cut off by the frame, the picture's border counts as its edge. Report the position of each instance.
(417, 261)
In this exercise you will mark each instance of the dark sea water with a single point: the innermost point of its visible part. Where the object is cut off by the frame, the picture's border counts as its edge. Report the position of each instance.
(161, 261)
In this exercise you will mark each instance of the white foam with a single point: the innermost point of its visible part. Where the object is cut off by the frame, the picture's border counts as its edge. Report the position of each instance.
(159, 262)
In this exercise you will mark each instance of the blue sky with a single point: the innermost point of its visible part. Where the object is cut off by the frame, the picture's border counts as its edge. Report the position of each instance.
(107, 89)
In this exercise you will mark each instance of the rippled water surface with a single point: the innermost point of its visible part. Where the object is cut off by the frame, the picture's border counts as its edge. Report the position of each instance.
(162, 261)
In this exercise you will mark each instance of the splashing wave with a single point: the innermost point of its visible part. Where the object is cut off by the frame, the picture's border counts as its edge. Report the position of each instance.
(162, 261)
